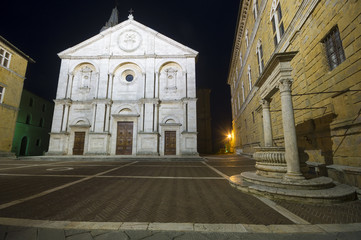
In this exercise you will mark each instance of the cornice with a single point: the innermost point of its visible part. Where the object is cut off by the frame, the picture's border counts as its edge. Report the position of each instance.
(241, 22)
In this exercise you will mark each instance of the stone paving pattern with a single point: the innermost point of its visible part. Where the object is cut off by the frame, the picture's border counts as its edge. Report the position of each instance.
(347, 212)
(168, 192)
(21, 233)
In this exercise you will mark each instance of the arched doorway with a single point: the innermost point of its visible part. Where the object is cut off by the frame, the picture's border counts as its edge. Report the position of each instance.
(23, 146)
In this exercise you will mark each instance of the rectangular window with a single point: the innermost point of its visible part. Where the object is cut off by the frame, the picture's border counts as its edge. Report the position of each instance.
(2, 91)
(334, 50)
(4, 57)
(277, 25)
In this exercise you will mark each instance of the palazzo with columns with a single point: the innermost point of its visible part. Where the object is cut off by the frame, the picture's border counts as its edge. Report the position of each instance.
(127, 91)
(296, 98)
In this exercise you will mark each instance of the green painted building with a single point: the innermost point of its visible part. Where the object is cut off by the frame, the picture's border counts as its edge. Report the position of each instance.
(33, 125)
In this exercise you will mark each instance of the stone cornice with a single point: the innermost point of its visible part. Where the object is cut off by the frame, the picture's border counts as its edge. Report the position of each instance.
(275, 60)
(241, 22)
(127, 56)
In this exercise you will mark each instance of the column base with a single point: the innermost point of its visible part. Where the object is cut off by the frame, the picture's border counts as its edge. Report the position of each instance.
(293, 176)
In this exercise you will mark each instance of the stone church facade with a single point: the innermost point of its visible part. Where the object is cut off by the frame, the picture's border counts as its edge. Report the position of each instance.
(127, 91)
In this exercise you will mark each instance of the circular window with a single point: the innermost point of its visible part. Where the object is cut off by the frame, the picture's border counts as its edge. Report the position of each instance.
(129, 78)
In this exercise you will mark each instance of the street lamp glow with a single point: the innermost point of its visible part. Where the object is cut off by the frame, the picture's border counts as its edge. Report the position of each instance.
(229, 136)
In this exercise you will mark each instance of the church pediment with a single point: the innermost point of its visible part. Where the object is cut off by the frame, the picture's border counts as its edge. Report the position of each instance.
(129, 38)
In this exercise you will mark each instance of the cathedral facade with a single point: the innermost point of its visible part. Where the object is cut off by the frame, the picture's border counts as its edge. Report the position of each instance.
(127, 91)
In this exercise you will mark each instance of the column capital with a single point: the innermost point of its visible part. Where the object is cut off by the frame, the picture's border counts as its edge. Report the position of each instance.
(111, 74)
(71, 74)
(265, 103)
(285, 84)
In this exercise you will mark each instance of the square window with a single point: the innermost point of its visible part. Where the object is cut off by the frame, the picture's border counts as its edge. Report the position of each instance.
(334, 50)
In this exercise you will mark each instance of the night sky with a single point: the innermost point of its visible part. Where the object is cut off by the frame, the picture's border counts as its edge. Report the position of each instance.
(43, 29)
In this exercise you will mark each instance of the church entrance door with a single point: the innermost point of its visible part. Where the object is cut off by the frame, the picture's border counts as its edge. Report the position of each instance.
(79, 139)
(170, 143)
(124, 138)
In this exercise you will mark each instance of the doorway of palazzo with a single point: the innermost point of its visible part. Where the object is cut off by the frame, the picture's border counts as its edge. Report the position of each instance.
(124, 138)
(79, 139)
(170, 143)
(23, 146)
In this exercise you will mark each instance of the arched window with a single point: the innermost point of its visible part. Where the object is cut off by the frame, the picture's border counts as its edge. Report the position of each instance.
(246, 38)
(243, 97)
(249, 78)
(240, 59)
(31, 102)
(28, 119)
(41, 122)
(255, 9)
(260, 57)
(277, 22)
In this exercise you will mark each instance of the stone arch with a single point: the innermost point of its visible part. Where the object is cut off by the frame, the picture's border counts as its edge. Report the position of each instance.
(81, 122)
(85, 73)
(170, 120)
(126, 109)
(78, 67)
(128, 69)
(170, 64)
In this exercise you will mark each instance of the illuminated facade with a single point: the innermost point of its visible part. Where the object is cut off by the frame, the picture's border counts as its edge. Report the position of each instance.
(127, 91)
(13, 64)
(295, 84)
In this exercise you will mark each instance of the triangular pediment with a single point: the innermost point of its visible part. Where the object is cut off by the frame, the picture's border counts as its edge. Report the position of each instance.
(128, 38)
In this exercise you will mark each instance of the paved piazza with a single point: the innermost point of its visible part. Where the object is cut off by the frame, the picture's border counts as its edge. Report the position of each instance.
(148, 195)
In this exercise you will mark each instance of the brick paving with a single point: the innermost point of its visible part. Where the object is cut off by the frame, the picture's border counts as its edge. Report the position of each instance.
(151, 191)
(163, 200)
(15, 187)
(347, 212)
(148, 200)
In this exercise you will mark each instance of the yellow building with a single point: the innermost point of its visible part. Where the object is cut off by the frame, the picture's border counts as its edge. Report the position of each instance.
(13, 63)
(295, 78)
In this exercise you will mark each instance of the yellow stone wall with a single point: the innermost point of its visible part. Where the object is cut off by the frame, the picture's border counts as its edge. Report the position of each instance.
(12, 78)
(328, 121)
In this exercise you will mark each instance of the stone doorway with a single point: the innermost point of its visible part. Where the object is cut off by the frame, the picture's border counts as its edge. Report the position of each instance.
(23, 146)
(170, 143)
(124, 138)
(79, 139)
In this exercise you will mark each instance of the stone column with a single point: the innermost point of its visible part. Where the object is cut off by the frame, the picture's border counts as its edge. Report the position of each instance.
(267, 124)
(289, 129)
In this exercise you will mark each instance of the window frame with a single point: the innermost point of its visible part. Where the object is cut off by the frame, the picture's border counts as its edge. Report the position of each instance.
(249, 78)
(259, 52)
(3, 57)
(336, 51)
(246, 38)
(255, 9)
(276, 18)
(243, 92)
(2, 93)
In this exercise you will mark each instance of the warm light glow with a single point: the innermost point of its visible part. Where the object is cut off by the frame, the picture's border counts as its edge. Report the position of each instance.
(229, 136)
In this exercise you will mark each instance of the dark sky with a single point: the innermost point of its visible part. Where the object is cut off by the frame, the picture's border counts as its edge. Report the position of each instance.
(41, 29)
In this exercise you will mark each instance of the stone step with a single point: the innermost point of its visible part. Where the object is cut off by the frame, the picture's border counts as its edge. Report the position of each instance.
(307, 184)
(336, 193)
(114, 158)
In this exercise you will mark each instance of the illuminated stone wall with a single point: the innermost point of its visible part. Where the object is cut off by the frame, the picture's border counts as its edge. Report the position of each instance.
(327, 103)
